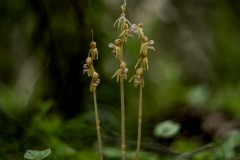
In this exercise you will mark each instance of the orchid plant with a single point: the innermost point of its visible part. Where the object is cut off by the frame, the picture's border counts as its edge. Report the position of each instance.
(138, 78)
(89, 68)
(121, 73)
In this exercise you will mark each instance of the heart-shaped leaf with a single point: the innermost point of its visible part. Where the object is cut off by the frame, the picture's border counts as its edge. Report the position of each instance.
(166, 129)
(37, 155)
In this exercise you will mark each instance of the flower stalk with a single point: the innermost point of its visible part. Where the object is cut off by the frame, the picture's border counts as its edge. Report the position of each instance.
(121, 73)
(139, 122)
(138, 78)
(126, 31)
(98, 126)
(122, 120)
(89, 69)
(122, 107)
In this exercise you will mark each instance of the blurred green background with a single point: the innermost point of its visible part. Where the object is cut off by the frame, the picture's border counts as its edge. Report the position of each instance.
(193, 77)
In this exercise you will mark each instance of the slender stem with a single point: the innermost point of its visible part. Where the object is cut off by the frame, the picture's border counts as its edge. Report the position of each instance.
(122, 112)
(139, 122)
(98, 126)
(122, 120)
(139, 118)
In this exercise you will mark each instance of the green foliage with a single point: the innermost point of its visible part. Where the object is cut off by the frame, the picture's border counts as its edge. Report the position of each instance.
(166, 129)
(196, 63)
(114, 153)
(198, 95)
(9, 101)
(226, 149)
(37, 155)
(208, 155)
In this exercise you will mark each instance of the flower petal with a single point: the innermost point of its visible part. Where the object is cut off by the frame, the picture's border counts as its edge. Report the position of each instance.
(95, 84)
(137, 82)
(123, 76)
(113, 53)
(133, 28)
(151, 47)
(122, 18)
(111, 45)
(151, 42)
(130, 35)
(97, 81)
(85, 66)
(85, 70)
(125, 70)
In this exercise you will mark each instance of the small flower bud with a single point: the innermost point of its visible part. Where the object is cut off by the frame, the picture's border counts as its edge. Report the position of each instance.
(122, 65)
(118, 42)
(95, 75)
(139, 72)
(95, 81)
(144, 39)
(89, 61)
(140, 25)
(123, 7)
(93, 45)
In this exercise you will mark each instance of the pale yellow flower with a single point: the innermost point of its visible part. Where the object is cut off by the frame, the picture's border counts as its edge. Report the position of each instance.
(138, 78)
(88, 67)
(121, 21)
(143, 52)
(122, 72)
(127, 32)
(95, 81)
(93, 52)
(116, 52)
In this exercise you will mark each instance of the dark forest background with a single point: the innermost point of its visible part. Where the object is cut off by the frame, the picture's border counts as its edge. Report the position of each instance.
(193, 78)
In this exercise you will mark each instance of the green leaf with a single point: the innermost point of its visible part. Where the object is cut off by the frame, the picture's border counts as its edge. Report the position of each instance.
(37, 155)
(198, 95)
(166, 129)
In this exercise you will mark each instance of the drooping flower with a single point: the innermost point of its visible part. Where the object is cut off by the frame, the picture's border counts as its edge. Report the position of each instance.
(127, 32)
(122, 72)
(140, 30)
(121, 21)
(88, 67)
(95, 81)
(143, 52)
(93, 52)
(145, 46)
(132, 29)
(116, 52)
(138, 78)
